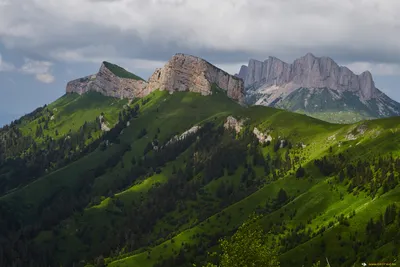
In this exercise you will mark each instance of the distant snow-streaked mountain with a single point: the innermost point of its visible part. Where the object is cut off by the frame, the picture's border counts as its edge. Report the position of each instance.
(317, 86)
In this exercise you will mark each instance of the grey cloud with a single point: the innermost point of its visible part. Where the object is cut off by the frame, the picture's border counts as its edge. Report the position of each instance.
(223, 32)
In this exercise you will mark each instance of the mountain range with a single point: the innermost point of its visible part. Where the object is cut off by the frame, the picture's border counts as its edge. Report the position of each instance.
(181, 73)
(181, 171)
(316, 86)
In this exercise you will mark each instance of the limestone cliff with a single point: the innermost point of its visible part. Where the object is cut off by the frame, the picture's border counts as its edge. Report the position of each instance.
(233, 123)
(109, 84)
(180, 73)
(316, 86)
(307, 72)
(189, 73)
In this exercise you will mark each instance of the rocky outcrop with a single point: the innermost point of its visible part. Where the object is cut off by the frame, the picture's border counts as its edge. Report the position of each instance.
(262, 137)
(190, 73)
(233, 123)
(184, 135)
(103, 125)
(107, 83)
(307, 72)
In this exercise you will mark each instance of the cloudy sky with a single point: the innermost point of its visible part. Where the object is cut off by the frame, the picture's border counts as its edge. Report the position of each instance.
(45, 43)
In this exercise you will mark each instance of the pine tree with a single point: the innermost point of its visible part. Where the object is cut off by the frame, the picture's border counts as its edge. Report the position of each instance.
(282, 196)
(301, 172)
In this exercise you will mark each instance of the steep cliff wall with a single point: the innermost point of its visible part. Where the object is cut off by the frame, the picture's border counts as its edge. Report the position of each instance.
(180, 73)
(316, 86)
(307, 72)
(109, 84)
(190, 73)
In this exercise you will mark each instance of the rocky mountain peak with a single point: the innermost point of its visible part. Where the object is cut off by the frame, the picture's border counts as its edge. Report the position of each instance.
(308, 71)
(273, 59)
(181, 73)
(110, 80)
(367, 84)
(189, 73)
(243, 72)
(317, 86)
(310, 56)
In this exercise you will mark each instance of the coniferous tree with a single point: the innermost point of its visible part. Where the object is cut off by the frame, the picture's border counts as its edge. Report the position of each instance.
(282, 196)
(301, 172)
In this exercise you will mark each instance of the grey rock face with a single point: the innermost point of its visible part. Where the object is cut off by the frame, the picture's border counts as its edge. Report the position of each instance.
(181, 73)
(107, 83)
(308, 72)
(189, 73)
(318, 87)
(243, 72)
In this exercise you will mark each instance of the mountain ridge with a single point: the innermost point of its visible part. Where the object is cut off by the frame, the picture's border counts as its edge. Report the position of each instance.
(181, 73)
(109, 84)
(271, 81)
(278, 72)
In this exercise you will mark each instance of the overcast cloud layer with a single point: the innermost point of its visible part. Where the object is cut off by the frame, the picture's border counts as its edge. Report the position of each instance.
(51, 41)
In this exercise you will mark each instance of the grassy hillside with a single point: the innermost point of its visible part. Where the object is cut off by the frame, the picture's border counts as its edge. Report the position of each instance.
(71, 111)
(52, 136)
(121, 72)
(133, 198)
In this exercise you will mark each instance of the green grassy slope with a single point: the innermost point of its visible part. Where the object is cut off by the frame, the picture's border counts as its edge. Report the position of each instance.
(52, 136)
(112, 201)
(70, 112)
(121, 72)
(315, 198)
(317, 201)
(66, 115)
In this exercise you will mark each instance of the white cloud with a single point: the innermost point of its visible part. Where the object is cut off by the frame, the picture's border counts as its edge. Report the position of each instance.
(35, 67)
(41, 70)
(45, 77)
